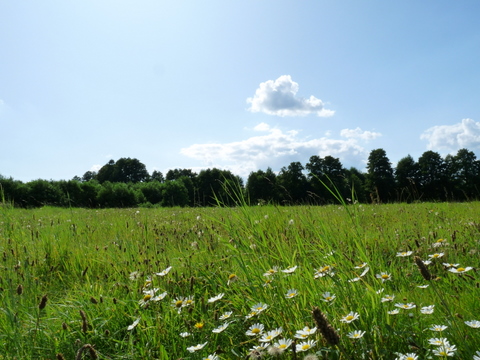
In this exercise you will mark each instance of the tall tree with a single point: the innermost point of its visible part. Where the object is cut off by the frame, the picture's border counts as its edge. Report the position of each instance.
(380, 180)
(327, 172)
(432, 176)
(262, 186)
(406, 179)
(293, 184)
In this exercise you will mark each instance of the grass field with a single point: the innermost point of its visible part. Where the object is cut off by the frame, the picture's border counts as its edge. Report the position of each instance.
(386, 282)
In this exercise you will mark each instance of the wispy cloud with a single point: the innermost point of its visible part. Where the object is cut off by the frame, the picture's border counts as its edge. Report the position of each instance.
(465, 134)
(280, 98)
(276, 148)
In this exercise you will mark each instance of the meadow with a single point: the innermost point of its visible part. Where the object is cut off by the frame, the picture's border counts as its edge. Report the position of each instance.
(353, 281)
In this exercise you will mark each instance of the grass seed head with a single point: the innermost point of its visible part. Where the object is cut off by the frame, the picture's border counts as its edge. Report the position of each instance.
(423, 268)
(43, 302)
(328, 332)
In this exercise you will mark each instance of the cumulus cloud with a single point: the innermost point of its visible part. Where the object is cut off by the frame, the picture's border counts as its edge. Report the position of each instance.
(276, 148)
(359, 134)
(280, 98)
(465, 134)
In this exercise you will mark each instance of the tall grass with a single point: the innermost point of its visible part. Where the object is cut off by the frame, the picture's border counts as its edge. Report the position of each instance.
(96, 266)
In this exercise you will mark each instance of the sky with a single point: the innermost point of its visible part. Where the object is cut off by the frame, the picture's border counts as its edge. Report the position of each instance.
(237, 85)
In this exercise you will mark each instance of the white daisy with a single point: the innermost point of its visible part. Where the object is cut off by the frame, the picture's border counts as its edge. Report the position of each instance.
(197, 347)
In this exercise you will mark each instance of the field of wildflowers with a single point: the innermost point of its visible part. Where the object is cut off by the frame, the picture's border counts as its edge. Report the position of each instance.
(334, 282)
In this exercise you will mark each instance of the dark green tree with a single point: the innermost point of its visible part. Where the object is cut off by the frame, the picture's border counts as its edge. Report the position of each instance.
(262, 187)
(326, 175)
(292, 183)
(176, 174)
(380, 181)
(432, 176)
(406, 179)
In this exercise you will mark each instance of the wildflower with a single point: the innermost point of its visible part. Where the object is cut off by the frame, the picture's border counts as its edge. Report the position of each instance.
(221, 328)
(438, 341)
(134, 275)
(250, 315)
(323, 271)
(477, 356)
(178, 303)
(305, 332)
(387, 298)
(291, 293)
(270, 335)
(404, 253)
(427, 262)
(448, 265)
(275, 351)
(393, 312)
(290, 269)
(232, 278)
(255, 329)
(473, 323)
(164, 272)
(212, 357)
(199, 325)
(192, 349)
(185, 334)
(438, 327)
(422, 286)
(460, 270)
(445, 350)
(327, 297)
(409, 356)
(188, 301)
(283, 344)
(380, 291)
(350, 317)
(427, 309)
(271, 271)
(259, 307)
(361, 266)
(357, 334)
(143, 302)
(354, 279)
(216, 298)
(226, 315)
(384, 276)
(365, 271)
(406, 306)
(133, 325)
(305, 345)
(436, 255)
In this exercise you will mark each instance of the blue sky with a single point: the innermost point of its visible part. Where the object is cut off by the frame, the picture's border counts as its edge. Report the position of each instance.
(238, 85)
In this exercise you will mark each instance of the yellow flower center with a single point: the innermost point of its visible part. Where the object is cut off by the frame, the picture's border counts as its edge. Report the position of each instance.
(325, 268)
(385, 276)
(282, 346)
(305, 347)
(178, 303)
(435, 255)
(232, 276)
(349, 317)
(460, 269)
(147, 297)
(256, 330)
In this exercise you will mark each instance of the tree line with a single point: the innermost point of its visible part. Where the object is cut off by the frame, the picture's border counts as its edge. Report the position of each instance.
(127, 183)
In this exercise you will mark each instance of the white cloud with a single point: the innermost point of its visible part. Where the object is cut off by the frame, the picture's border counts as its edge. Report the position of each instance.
(465, 134)
(359, 134)
(279, 98)
(275, 148)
